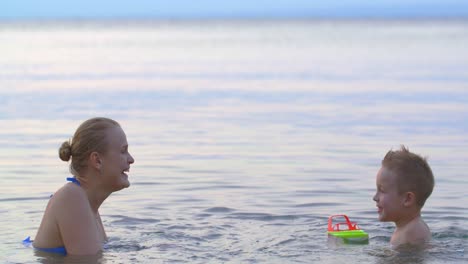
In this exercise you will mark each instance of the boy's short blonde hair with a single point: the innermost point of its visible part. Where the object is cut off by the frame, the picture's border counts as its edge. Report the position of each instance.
(412, 171)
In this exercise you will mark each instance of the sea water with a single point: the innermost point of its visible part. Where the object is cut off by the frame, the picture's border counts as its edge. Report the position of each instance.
(247, 135)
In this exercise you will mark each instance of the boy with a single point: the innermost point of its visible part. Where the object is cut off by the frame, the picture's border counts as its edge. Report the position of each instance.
(404, 182)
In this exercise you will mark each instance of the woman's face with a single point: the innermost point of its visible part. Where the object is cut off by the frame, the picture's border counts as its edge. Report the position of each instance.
(116, 161)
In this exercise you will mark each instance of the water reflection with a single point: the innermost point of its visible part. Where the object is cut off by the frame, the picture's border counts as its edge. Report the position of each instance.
(49, 258)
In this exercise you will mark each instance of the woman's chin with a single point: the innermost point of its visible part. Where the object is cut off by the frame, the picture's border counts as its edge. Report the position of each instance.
(125, 182)
(122, 184)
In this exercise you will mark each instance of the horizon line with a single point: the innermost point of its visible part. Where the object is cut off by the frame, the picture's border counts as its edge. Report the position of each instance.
(234, 18)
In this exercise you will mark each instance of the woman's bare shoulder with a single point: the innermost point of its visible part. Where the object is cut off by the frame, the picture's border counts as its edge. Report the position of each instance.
(75, 220)
(70, 191)
(69, 197)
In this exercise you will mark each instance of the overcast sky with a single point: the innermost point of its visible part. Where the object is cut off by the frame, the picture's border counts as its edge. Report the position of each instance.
(32, 9)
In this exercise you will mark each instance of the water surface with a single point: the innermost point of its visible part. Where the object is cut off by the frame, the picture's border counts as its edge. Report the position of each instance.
(247, 135)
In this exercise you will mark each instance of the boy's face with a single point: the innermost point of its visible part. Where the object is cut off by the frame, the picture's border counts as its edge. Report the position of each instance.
(389, 202)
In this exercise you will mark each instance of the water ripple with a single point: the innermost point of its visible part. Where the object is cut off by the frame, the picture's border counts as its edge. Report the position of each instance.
(148, 183)
(124, 220)
(216, 187)
(219, 210)
(23, 199)
(261, 216)
(317, 204)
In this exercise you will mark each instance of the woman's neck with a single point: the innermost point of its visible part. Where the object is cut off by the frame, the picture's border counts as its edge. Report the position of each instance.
(94, 191)
(96, 198)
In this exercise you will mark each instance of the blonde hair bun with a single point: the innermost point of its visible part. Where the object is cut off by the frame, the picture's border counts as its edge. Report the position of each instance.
(65, 151)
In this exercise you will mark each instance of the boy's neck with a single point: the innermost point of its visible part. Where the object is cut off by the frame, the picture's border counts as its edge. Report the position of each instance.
(409, 217)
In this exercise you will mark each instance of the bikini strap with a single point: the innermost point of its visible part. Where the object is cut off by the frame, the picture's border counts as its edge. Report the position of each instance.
(74, 180)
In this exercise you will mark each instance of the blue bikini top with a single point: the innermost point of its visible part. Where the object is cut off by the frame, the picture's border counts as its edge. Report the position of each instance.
(58, 250)
(74, 180)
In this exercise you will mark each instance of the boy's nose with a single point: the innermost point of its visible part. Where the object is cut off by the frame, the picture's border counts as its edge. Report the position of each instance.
(375, 197)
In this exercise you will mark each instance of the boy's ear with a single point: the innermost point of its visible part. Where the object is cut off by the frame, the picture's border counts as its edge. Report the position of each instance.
(95, 160)
(409, 199)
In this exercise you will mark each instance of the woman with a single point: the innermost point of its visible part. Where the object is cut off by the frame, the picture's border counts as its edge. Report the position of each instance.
(99, 162)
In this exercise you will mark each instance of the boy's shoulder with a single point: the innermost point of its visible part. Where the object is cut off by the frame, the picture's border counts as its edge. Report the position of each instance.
(415, 232)
(418, 232)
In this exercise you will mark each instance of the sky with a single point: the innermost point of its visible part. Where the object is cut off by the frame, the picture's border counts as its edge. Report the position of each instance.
(175, 9)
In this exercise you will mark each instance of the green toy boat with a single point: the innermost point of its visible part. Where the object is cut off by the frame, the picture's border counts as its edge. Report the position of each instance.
(352, 234)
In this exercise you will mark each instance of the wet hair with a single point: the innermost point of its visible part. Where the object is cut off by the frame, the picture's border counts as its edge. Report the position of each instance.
(412, 171)
(89, 137)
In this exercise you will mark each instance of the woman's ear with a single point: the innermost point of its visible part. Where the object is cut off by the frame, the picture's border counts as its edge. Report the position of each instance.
(95, 160)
